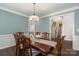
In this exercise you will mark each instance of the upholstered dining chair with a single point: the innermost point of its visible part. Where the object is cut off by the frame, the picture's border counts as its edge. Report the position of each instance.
(59, 45)
(57, 51)
(23, 45)
(45, 35)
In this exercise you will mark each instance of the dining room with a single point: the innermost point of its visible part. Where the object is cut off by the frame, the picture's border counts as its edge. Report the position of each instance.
(39, 29)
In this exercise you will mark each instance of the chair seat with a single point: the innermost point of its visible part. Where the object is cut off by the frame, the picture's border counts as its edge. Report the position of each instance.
(35, 52)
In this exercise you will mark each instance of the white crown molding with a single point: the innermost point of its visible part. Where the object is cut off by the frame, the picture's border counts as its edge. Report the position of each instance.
(59, 12)
(12, 11)
(55, 13)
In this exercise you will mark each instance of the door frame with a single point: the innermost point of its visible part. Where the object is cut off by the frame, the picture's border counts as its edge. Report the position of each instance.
(59, 16)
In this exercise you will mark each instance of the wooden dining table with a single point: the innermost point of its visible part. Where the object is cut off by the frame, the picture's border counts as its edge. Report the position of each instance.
(43, 45)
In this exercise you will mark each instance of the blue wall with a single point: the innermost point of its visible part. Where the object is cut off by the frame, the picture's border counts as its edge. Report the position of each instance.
(42, 25)
(10, 23)
(76, 22)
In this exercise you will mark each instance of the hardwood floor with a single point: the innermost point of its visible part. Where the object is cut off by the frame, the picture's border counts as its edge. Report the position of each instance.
(11, 51)
(66, 50)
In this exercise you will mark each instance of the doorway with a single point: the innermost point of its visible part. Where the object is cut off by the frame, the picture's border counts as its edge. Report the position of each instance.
(67, 27)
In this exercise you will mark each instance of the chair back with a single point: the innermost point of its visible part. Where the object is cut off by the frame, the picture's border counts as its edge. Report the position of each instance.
(23, 45)
(45, 35)
(59, 45)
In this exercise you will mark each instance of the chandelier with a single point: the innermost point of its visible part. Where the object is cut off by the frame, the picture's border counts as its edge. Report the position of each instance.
(34, 18)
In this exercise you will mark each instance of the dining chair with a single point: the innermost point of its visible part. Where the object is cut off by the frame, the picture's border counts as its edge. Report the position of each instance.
(45, 35)
(23, 45)
(59, 45)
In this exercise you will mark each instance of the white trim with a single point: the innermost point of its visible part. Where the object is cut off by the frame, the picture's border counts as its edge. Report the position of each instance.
(76, 42)
(60, 15)
(7, 40)
(63, 11)
(73, 30)
(12, 11)
(63, 15)
(50, 28)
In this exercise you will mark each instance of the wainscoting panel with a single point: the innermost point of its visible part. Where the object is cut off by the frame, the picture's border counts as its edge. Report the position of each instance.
(6, 41)
(76, 42)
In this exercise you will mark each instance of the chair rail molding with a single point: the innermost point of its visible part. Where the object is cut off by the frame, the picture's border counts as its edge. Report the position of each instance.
(6, 41)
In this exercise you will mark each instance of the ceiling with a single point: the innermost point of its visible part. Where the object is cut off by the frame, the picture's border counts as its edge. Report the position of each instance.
(42, 9)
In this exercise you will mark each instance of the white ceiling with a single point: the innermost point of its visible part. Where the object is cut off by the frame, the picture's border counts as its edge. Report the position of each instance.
(42, 9)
